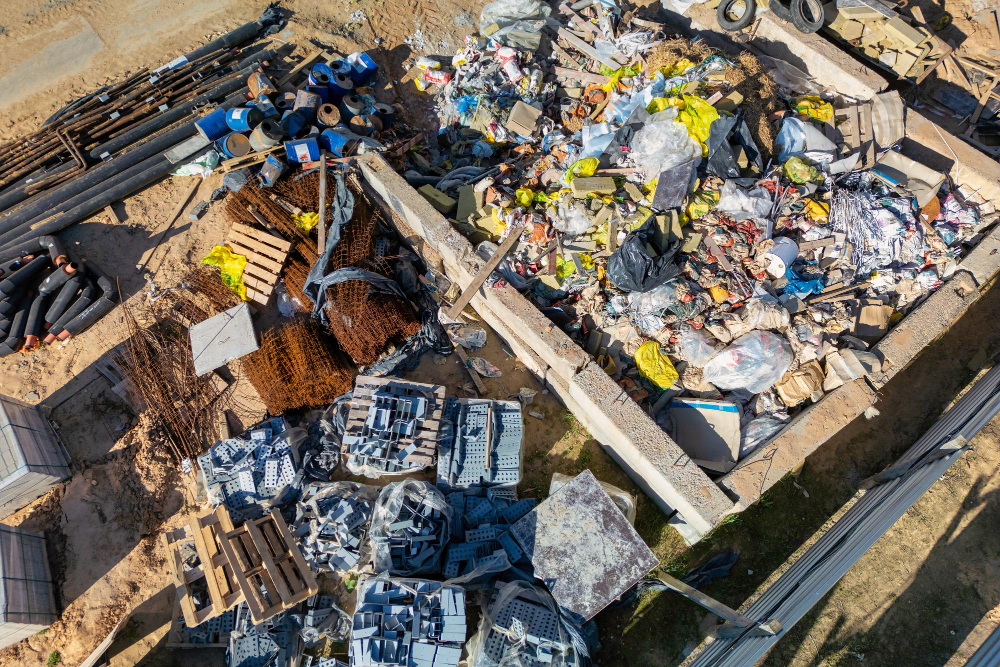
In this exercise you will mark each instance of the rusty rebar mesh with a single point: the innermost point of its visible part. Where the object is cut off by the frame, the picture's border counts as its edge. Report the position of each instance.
(187, 408)
(296, 367)
(296, 272)
(365, 323)
(237, 210)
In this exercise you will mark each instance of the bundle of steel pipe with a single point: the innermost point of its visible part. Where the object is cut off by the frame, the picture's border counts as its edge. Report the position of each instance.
(100, 125)
(45, 294)
(891, 493)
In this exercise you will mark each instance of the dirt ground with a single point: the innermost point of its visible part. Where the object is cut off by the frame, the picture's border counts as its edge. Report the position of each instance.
(926, 590)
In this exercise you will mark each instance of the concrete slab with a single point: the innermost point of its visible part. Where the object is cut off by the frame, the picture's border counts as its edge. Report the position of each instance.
(583, 547)
(222, 338)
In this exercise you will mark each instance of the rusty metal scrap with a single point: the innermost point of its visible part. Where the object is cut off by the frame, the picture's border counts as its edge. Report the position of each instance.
(297, 367)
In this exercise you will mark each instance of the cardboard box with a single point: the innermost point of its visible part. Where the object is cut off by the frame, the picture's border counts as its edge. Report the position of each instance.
(708, 431)
(908, 176)
(523, 119)
(798, 385)
(872, 322)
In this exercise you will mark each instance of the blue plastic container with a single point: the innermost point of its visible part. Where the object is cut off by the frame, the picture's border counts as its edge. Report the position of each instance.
(306, 104)
(339, 142)
(341, 66)
(213, 126)
(340, 85)
(234, 144)
(262, 104)
(363, 68)
(302, 150)
(292, 123)
(320, 75)
(243, 119)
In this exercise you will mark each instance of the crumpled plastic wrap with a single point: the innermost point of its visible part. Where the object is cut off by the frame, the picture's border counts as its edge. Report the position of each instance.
(754, 361)
(391, 500)
(663, 143)
(696, 346)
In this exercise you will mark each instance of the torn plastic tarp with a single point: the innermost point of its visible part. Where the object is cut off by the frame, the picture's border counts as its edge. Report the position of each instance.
(632, 269)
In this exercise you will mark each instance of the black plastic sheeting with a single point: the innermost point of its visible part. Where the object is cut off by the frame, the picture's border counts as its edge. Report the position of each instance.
(430, 337)
(716, 567)
(726, 133)
(631, 267)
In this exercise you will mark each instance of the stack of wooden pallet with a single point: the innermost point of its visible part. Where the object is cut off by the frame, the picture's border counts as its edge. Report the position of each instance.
(258, 562)
(266, 255)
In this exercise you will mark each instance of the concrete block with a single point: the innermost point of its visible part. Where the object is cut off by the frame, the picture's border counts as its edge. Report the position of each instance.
(222, 338)
(593, 184)
(439, 200)
(904, 33)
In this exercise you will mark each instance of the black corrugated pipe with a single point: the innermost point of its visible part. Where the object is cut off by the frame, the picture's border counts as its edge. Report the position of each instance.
(33, 325)
(63, 299)
(16, 333)
(94, 311)
(86, 298)
(171, 116)
(227, 41)
(18, 245)
(21, 277)
(49, 201)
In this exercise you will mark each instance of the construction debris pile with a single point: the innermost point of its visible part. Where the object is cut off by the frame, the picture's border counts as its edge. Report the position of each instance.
(724, 269)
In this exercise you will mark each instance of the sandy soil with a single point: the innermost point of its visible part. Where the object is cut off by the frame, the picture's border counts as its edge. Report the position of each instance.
(103, 526)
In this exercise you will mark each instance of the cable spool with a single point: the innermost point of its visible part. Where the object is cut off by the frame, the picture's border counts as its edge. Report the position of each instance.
(384, 113)
(320, 75)
(340, 86)
(285, 101)
(328, 115)
(351, 105)
(265, 135)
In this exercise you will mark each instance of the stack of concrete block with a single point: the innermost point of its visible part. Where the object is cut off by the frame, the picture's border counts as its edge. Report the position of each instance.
(32, 460)
(333, 526)
(27, 603)
(410, 622)
(413, 538)
(534, 631)
(482, 444)
(243, 472)
(481, 529)
(385, 441)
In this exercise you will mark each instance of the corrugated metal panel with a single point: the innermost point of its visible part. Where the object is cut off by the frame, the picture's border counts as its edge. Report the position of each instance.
(822, 565)
(988, 654)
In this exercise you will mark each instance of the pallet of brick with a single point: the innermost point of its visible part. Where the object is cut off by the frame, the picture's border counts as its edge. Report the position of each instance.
(27, 602)
(392, 426)
(213, 633)
(266, 255)
(32, 459)
(267, 564)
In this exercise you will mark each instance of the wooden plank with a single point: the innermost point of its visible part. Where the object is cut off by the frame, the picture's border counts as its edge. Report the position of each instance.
(321, 209)
(306, 62)
(505, 248)
(300, 562)
(263, 249)
(109, 209)
(239, 247)
(984, 99)
(577, 20)
(480, 387)
(587, 49)
(235, 163)
(263, 237)
(214, 590)
(267, 560)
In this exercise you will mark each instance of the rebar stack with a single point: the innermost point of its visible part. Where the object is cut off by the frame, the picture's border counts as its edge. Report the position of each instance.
(296, 367)
(158, 363)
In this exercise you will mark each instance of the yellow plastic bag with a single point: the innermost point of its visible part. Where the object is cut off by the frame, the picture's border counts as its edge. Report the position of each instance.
(524, 196)
(696, 114)
(615, 76)
(231, 266)
(679, 68)
(718, 293)
(701, 202)
(564, 268)
(818, 211)
(655, 366)
(306, 221)
(814, 107)
(800, 171)
(582, 168)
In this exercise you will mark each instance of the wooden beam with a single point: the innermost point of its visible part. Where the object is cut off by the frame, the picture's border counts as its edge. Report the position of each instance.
(476, 380)
(505, 248)
(587, 49)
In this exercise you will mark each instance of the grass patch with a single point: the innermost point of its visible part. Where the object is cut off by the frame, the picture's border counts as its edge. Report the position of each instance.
(54, 659)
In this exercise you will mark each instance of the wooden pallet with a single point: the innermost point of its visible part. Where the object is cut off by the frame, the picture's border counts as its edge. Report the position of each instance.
(222, 587)
(429, 427)
(300, 72)
(266, 255)
(235, 163)
(264, 555)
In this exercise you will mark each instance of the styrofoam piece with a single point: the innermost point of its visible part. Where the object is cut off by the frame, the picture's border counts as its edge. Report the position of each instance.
(222, 338)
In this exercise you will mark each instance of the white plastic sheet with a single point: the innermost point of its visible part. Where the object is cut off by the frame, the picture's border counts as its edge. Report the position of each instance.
(754, 361)
(663, 143)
